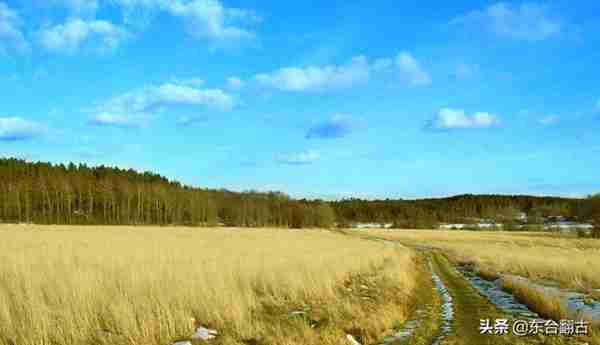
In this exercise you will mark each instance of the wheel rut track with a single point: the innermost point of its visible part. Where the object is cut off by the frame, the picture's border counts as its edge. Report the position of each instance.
(446, 308)
(468, 308)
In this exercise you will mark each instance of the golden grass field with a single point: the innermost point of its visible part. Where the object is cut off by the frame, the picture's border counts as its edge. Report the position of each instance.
(572, 262)
(142, 285)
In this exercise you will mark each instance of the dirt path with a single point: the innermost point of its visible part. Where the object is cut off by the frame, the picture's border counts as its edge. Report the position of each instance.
(467, 308)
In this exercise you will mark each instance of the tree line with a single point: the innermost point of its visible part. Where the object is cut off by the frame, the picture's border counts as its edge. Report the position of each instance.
(44, 193)
(425, 213)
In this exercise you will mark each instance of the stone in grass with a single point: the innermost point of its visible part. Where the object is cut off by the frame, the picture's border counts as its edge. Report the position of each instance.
(183, 342)
(204, 333)
(352, 340)
(303, 315)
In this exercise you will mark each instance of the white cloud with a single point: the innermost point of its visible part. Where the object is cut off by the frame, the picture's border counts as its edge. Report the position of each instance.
(70, 36)
(11, 35)
(208, 19)
(300, 158)
(120, 120)
(235, 83)
(316, 78)
(382, 64)
(529, 21)
(137, 107)
(204, 18)
(411, 70)
(16, 128)
(181, 94)
(456, 118)
(549, 120)
(357, 71)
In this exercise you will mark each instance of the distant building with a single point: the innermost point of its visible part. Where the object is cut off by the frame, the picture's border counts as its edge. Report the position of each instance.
(372, 225)
(568, 226)
(555, 219)
(459, 226)
(488, 225)
(452, 226)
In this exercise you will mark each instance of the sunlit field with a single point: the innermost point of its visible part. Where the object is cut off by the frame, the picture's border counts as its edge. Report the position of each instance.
(569, 261)
(151, 285)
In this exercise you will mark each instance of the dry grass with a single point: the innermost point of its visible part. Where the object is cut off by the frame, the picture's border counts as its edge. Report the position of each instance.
(546, 305)
(571, 262)
(126, 285)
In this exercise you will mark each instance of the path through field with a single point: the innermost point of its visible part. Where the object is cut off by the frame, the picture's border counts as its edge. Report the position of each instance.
(455, 318)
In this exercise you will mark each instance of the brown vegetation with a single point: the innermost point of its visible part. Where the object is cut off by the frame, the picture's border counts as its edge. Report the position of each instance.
(142, 285)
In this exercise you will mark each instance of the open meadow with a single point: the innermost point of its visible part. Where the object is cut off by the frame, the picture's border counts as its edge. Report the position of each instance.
(72, 285)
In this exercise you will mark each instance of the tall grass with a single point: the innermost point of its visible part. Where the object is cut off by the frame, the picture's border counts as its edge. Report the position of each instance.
(548, 306)
(129, 285)
(571, 262)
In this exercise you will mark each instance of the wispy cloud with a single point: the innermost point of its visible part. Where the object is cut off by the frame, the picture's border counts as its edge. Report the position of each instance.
(317, 78)
(457, 119)
(299, 158)
(336, 127)
(11, 33)
(235, 83)
(69, 37)
(17, 129)
(120, 120)
(528, 21)
(411, 70)
(208, 19)
(408, 67)
(355, 72)
(137, 107)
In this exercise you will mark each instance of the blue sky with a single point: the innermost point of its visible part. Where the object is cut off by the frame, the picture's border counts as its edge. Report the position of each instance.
(329, 99)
